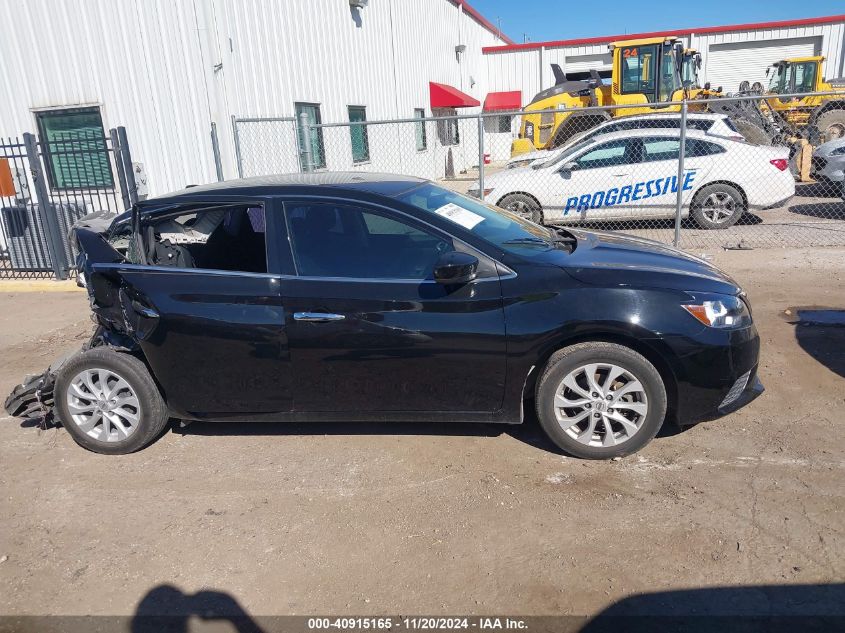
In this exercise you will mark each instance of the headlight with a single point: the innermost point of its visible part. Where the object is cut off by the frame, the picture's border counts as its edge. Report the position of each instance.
(726, 312)
(839, 151)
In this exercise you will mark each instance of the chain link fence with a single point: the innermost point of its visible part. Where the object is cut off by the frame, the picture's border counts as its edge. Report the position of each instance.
(753, 172)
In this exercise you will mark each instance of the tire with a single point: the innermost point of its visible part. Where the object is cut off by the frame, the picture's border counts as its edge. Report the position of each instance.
(526, 206)
(718, 206)
(831, 125)
(643, 406)
(84, 407)
(752, 132)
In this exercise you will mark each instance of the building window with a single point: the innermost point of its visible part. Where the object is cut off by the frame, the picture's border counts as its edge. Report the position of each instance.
(315, 135)
(422, 141)
(358, 134)
(74, 146)
(504, 122)
(448, 130)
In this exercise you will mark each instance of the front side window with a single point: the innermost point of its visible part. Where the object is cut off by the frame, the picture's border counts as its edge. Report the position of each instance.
(419, 129)
(74, 145)
(358, 134)
(314, 137)
(638, 69)
(604, 155)
(344, 241)
(805, 77)
(218, 237)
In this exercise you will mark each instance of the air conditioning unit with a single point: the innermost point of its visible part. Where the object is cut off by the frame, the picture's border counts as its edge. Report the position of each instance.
(358, 4)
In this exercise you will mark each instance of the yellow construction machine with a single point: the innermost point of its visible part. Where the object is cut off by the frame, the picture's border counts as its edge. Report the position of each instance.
(645, 71)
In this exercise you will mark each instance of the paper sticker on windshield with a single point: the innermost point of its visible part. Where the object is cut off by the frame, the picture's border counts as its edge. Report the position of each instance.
(459, 215)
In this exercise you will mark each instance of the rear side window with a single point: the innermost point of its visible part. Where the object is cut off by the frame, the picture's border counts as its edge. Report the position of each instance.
(655, 149)
(700, 124)
(219, 237)
(697, 147)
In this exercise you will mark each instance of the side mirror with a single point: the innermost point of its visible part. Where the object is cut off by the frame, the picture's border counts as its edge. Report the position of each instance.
(569, 167)
(455, 268)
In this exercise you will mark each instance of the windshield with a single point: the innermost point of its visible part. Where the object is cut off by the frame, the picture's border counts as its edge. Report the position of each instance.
(503, 228)
(565, 153)
(777, 81)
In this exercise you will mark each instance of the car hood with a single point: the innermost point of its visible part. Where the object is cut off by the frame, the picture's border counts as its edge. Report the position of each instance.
(611, 259)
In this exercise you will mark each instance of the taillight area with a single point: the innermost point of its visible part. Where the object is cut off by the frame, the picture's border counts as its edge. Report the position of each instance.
(780, 163)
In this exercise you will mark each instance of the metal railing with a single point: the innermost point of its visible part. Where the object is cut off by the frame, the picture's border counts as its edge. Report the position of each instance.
(50, 183)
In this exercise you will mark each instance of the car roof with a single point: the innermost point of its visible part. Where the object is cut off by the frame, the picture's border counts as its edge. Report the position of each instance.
(665, 115)
(667, 132)
(380, 183)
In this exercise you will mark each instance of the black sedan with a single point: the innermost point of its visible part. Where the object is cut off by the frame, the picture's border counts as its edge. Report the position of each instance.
(351, 296)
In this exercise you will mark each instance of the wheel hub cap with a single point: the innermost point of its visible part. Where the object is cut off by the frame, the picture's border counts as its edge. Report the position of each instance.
(103, 405)
(601, 404)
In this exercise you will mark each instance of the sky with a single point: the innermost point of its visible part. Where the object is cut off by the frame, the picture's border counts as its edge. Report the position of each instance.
(541, 20)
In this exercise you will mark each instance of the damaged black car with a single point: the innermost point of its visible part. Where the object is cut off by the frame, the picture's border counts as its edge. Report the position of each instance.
(351, 296)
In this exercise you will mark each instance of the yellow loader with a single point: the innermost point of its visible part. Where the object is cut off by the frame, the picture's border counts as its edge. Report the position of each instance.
(646, 72)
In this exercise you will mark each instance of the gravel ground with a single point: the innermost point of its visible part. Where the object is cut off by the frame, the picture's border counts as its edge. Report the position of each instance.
(401, 518)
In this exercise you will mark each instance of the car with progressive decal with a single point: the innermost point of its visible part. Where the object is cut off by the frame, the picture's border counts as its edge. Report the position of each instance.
(633, 175)
(713, 124)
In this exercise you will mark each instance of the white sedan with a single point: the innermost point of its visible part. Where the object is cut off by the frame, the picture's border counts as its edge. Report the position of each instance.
(633, 175)
(707, 122)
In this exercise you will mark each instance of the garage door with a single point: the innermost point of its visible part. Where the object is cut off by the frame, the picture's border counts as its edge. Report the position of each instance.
(729, 64)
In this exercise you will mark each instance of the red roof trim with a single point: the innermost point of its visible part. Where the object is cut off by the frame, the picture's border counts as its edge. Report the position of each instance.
(503, 100)
(828, 19)
(473, 13)
(445, 96)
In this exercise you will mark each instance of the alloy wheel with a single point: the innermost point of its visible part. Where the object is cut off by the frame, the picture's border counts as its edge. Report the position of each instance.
(601, 404)
(521, 209)
(718, 207)
(103, 405)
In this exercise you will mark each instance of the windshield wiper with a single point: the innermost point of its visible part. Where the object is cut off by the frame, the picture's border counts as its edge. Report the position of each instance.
(527, 241)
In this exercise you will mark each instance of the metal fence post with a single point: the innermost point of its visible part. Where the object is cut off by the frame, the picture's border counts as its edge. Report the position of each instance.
(480, 156)
(679, 200)
(120, 168)
(126, 157)
(215, 148)
(307, 160)
(55, 240)
(237, 138)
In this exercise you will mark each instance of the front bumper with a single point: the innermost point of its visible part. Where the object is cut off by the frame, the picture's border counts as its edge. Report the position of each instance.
(716, 373)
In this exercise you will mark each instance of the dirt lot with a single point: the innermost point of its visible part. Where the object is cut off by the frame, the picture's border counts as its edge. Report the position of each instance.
(370, 519)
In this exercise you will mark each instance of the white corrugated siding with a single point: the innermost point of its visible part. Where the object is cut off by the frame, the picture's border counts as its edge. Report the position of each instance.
(729, 64)
(150, 66)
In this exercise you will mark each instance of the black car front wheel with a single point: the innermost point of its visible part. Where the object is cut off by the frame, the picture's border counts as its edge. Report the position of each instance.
(600, 400)
(108, 402)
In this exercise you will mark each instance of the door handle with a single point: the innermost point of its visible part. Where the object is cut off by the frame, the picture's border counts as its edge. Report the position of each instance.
(618, 175)
(317, 317)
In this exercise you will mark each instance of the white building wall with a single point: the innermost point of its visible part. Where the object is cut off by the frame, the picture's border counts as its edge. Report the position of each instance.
(165, 70)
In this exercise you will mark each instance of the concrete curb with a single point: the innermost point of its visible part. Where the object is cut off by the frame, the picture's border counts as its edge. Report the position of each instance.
(38, 285)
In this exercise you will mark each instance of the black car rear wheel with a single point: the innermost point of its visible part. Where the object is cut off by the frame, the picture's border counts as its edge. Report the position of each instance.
(108, 402)
(599, 400)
